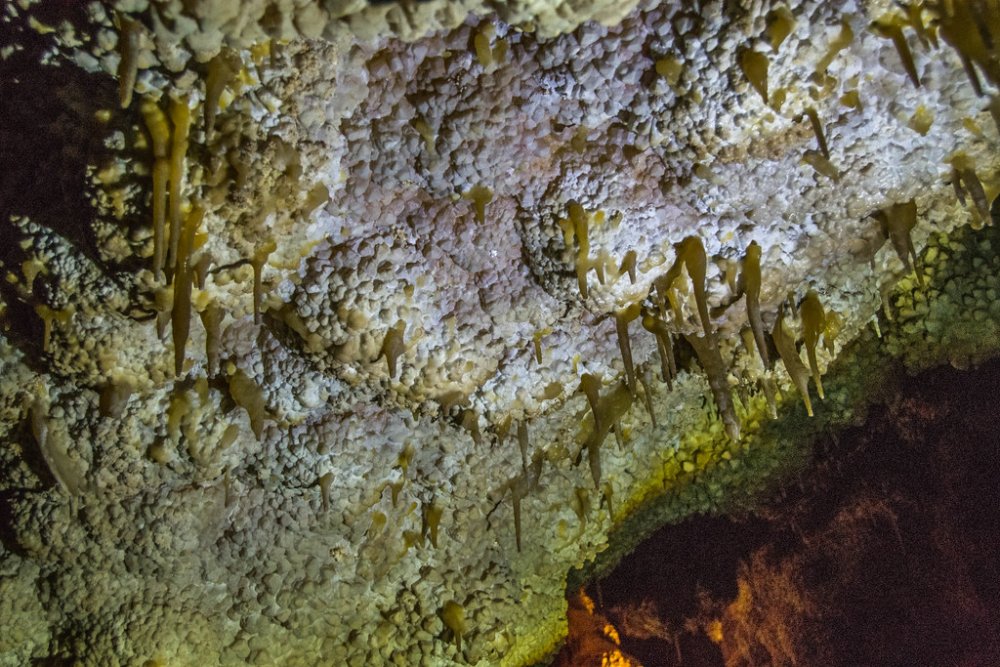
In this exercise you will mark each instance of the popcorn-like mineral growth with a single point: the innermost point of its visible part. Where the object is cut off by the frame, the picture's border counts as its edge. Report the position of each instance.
(410, 231)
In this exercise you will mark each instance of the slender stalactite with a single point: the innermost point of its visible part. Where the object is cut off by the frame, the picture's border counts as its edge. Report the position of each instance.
(647, 396)
(520, 487)
(695, 261)
(765, 380)
(606, 411)
(480, 196)
(892, 30)
(690, 256)
(622, 319)
(159, 133)
(180, 116)
(751, 286)
(180, 316)
(211, 318)
(898, 221)
(258, 266)
(821, 164)
(522, 442)
(817, 128)
(715, 368)
(579, 220)
(628, 265)
(221, 71)
(785, 344)
(813, 325)
(664, 347)
(129, 35)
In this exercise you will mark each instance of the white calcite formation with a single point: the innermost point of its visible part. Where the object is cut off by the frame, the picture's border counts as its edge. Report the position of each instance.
(438, 202)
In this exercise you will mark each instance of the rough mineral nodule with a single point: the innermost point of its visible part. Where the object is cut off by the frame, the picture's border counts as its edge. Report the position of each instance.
(336, 332)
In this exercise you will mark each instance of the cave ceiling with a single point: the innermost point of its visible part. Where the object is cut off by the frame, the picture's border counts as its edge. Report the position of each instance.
(341, 332)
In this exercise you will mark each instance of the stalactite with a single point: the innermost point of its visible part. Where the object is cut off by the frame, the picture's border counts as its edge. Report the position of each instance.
(221, 71)
(325, 482)
(591, 388)
(159, 133)
(707, 350)
(821, 164)
(129, 35)
(47, 315)
(606, 411)
(579, 220)
(481, 43)
(522, 442)
(247, 394)
(817, 128)
(891, 29)
(647, 396)
(813, 325)
(581, 504)
(764, 379)
(211, 318)
(790, 357)
(664, 347)
(453, 616)
(780, 23)
(898, 221)
(393, 347)
(431, 521)
(966, 181)
(201, 268)
(690, 255)
(751, 278)
(973, 35)
(628, 264)
(520, 487)
(52, 443)
(480, 196)
(180, 316)
(754, 65)
(622, 319)
(114, 397)
(180, 116)
(163, 303)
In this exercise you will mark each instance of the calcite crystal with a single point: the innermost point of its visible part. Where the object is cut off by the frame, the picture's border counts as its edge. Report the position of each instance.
(418, 237)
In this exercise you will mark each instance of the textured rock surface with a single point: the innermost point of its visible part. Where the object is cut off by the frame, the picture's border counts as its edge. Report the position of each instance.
(401, 177)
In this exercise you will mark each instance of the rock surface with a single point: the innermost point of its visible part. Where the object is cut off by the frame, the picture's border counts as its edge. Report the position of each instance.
(396, 239)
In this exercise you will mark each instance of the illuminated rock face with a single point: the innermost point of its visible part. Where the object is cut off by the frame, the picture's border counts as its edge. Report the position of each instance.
(393, 240)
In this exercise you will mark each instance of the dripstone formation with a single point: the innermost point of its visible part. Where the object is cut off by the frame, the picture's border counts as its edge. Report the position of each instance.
(335, 332)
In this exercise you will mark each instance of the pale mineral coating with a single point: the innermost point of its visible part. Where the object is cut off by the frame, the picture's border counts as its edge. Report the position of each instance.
(353, 138)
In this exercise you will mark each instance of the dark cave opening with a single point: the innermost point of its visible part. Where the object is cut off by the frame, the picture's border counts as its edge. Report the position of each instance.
(884, 553)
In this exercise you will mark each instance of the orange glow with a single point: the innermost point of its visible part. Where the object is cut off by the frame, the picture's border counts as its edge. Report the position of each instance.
(587, 603)
(617, 659)
(593, 640)
(714, 630)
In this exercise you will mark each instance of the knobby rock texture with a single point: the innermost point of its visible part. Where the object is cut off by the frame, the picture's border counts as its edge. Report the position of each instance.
(340, 332)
